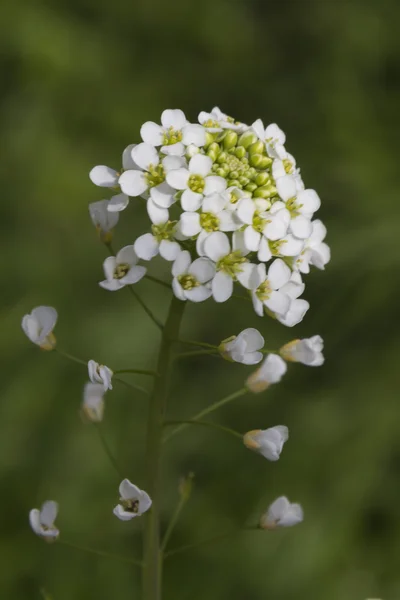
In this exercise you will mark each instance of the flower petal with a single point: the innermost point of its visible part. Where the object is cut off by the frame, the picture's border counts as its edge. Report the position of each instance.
(163, 195)
(174, 118)
(309, 201)
(127, 255)
(278, 274)
(178, 178)
(157, 214)
(286, 187)
(194, 134)
(300, 227)
(133, 183)
(48, 513)
(245, 210)
(145, 155)
(217, 245)
(278, 303)
(169, 250)
(190, 200)
(190, 223)
(134, 275)
(214, 184)
(252, 239)
(104, 176)
(146, 246)
(117, 203)
(200, 164)
(181, 264)
(152, 134)
(222, 287)
(128, 490)
(198, 294)
(203, 269)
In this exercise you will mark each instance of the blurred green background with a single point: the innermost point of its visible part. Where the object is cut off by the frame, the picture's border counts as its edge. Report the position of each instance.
(78, 78)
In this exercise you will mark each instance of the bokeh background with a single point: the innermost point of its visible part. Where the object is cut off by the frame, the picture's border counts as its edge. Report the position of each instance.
(78, 78)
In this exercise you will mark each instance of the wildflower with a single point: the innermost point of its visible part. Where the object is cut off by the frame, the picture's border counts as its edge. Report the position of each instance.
(103, 219)
(271, 371)
(215, 121)
(281, 513)
(160, 241)
(273, 136)
(268, 442)
(307, 351)
(267, 288)
(104, 176)
(174, 133)
(122, 269)
(315, 251)
(93, 402)
(100, 374)
(301, 205)
(295, 314)
(243, 348)
(39, 325)
(133, 501)
(42, 521)
(213, 217)
(191, 279)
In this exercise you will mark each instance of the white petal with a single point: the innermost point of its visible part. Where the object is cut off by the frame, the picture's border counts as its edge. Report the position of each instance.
(194, 134)
(217, 245)
(252, 358)
(152, 134)
(318, 233)
(213, 204)
(200, 165)
(293, 516)
(247, 276)
(169, 250)
(174, 118)
(48, 513)
(275, 134)
(228, 220)
(133, 183)
(157, 214)
(128, 491)
(291, 246)
(257, 305)
(278, 303)
(278, 274)
(286, 187)
(127, 255)
(222, 287)
(134, 275)
(190, 200)
(178, 290)
(111, 285)
(252, 239)
(178, 178)
(198, 294)
(101, 217)
(200, 242)
(146, 246)
(181, 264)
(276, 228)
(117, 203)
(47, 319)
(214, 185)
(123, 515)
(173, 162)
(245, 210)
(34, 520)
(273, 368)
(320, 256)
(253, 338)
(104, 176)
(190, 223)
(144, 502)
(127, 160)
(295, 314)
(163, 195)
(309, 201)
(258, 128)
(203, 269)
(174, 150)
(109, 267)
(145, 155)
(264, 251)
(300, 227)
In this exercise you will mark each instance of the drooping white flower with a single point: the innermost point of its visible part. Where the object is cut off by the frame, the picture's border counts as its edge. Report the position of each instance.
(243, 348)
(196, 181)
(213, 217)
(273, 137)
(295, 314)
(215, 121)
(271, 371)
(93, 402)
(100, 374)
(267, 442)
(42, 521)
(315, 252)
(133, 501)
(267, 288)
(38, 326)
(122, 269)
(307, 351)
(281, 513)
(103, 219)
(301, 205)
(230, 265)
(174, 133)
(192, 279)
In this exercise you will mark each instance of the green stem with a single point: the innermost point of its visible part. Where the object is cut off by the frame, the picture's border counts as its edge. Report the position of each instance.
(145, 307)
(199, 344)
(108, 452)
(207, 424)
(201, 543)
(209, 352)
(207, 411)
(173, 521)
(71, 357)
(136, 371)
(132, 386)
(156, 280)
(152, 555)
(102, 553)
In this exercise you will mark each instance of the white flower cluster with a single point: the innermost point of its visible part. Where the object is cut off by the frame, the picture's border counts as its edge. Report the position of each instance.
(227, 206)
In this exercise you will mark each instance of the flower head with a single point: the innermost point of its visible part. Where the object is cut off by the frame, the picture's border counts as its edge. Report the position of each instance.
(133, 501)
(100, 374)
(42, 521)
(192, 279)
(281, 513)
(307, 351)
(271, 371)
(268, 442)
(122, 270)
(93, 402)
(174, 133)
(39, 325)
(243, 348)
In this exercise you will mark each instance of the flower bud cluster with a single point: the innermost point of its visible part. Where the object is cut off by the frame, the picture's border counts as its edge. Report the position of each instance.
(227, 206)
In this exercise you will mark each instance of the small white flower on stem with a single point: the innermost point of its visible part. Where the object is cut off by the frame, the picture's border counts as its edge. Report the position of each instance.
(295, 314)
(267, 442)
(174, 133)
(243, 348)
(39, 325)
(100, 374)
(267, 288)
(315, 252)
(214, 216)
(191, 279)
(122, 270)
(93, 402)
(42, 521)
(215, 121)
(301, 205)
(281, 513)
(104, 176)
(273, 137)
(196, 181)
(133, 501)
(160, 241)
(271, 371)
(103, 219)
(149, 173)
(307, 351)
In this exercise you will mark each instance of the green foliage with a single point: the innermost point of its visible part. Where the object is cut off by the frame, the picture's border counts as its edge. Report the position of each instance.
(78, 79)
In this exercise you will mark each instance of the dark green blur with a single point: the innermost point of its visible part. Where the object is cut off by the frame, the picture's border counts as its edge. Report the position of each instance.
(78, 78)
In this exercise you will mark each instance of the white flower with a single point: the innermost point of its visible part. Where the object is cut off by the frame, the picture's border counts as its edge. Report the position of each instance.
(268, 442)
(315, 252)
(191, 279)
(243, 348)
(307, 351)
(103, 219)
(267, 289)
(149, 174)
(230, 265)
(133, 501)
(287, 166)
(271, 371)
(161, 242)
(301, 205)
(281, 513)
(262, 226)
(273, 137)
(122, 270)
(174, 133)
(295, 314)
(106, 177)
(42, 521)
(100, 374)
(196, 182)
(213, 217)
(39, 325)
(216, 121)
(93, 402)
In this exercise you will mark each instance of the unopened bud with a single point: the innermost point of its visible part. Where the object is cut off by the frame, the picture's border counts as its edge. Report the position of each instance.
(246, 139)
(230, 140)
(256, 148)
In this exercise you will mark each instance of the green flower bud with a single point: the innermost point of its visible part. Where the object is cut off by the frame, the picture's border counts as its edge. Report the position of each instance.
(256, 148)
(255, 160)
(250, 187)
(246, 139)
(230, 140)
(244, 180)
(265, 163)
(263, 192)
(262, 178)
(234, 174)
(222, 157)
(221, 172)
(213, 150)
(233, 182)
(209, 139)
(240, 152)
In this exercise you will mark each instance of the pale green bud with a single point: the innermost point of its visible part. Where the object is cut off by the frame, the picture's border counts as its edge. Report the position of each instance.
(265, 163)
(222, 157)
(256, 148)
(250, 187)
(262, 178)
(244, 180)
(256, 160)
(263, 192)
(240, 152)
(230, 140)
(234, 174)
(213, 150)
(246, 139)
(233, 182)
(209, 139)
